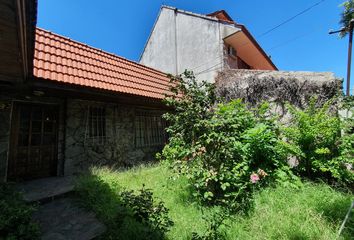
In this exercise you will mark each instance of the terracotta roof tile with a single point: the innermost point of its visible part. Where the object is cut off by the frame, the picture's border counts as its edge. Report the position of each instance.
(63, 60)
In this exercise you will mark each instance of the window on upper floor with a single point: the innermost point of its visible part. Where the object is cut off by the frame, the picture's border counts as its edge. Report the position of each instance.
(231, 51)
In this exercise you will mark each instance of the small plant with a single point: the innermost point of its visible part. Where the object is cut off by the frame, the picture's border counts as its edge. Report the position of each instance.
(144, 209)
(15, 216)
(215, 221)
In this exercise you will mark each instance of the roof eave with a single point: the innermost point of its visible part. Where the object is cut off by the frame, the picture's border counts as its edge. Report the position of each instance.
(256, 44)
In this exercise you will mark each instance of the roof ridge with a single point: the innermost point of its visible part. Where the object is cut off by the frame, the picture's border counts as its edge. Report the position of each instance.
(200, 15)
(102, 51)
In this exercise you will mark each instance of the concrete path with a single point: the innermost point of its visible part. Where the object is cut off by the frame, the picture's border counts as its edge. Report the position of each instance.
(63, 219)
(58, 215)
(45, 188)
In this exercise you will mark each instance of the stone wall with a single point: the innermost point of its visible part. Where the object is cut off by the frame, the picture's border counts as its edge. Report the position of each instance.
(118, 149)
(76, 151)
(277, 87)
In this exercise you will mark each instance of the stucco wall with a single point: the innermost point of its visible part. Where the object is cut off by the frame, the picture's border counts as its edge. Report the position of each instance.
(160, 50)
(181, 40)
(199, 46)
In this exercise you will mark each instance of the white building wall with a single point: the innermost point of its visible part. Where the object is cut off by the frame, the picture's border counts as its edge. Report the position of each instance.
(185, 41)
(198, 46)
(160, 50)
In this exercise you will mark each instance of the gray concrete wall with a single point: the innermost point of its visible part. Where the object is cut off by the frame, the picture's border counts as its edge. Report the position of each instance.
(181, 40)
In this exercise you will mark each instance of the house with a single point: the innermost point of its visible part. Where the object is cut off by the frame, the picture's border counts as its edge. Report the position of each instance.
(205, 44)
(65, 106)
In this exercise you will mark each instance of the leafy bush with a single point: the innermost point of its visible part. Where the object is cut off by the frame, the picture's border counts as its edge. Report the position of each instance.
(15, 216)
(226, 150)
(127, 215)
(322, 148)
(193, 102)
(146, 211)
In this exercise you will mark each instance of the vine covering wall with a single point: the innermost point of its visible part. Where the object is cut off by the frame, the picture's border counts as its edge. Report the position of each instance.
(277, 87)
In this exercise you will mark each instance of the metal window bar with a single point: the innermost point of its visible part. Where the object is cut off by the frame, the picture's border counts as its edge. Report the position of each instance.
(149, 129)
(97, 124)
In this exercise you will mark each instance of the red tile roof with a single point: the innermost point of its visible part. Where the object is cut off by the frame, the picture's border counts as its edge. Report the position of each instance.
(63, 60)
(222, 15)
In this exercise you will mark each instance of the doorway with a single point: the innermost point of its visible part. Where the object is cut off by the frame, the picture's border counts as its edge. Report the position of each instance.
(34, 141)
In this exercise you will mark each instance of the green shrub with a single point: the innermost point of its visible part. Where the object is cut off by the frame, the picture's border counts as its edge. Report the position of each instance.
(316, 138)
(226, 150)
(144, 210)
(229, 150)
(15, 216)
(192, 102)
(127, 214)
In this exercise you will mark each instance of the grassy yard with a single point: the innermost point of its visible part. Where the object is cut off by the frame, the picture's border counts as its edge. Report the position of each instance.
(313, 212)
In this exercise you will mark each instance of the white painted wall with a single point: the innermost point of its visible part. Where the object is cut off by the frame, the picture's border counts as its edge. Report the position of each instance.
(181, 40)
(160, 51)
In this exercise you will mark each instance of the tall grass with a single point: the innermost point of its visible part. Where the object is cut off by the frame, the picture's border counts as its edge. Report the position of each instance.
(313, 212)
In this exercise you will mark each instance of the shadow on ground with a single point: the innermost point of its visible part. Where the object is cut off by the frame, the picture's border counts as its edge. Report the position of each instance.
(105, 200)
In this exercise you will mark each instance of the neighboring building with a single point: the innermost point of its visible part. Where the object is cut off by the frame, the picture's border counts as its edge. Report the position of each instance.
(205, 44)
(65, 106)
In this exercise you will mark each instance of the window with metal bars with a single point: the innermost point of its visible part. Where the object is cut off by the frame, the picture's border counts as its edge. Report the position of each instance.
(97, 124)
(149, 129)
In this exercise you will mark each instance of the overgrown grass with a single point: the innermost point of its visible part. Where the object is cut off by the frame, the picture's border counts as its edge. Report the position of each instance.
(313, 212)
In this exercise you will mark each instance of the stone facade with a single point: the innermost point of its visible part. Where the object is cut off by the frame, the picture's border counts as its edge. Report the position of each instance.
(119, 148)
(76, 150)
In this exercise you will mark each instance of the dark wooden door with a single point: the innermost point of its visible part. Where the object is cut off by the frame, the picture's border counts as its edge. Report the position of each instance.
(34, 143)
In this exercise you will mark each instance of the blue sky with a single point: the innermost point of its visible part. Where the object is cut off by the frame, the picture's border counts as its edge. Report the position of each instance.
(122, 27)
